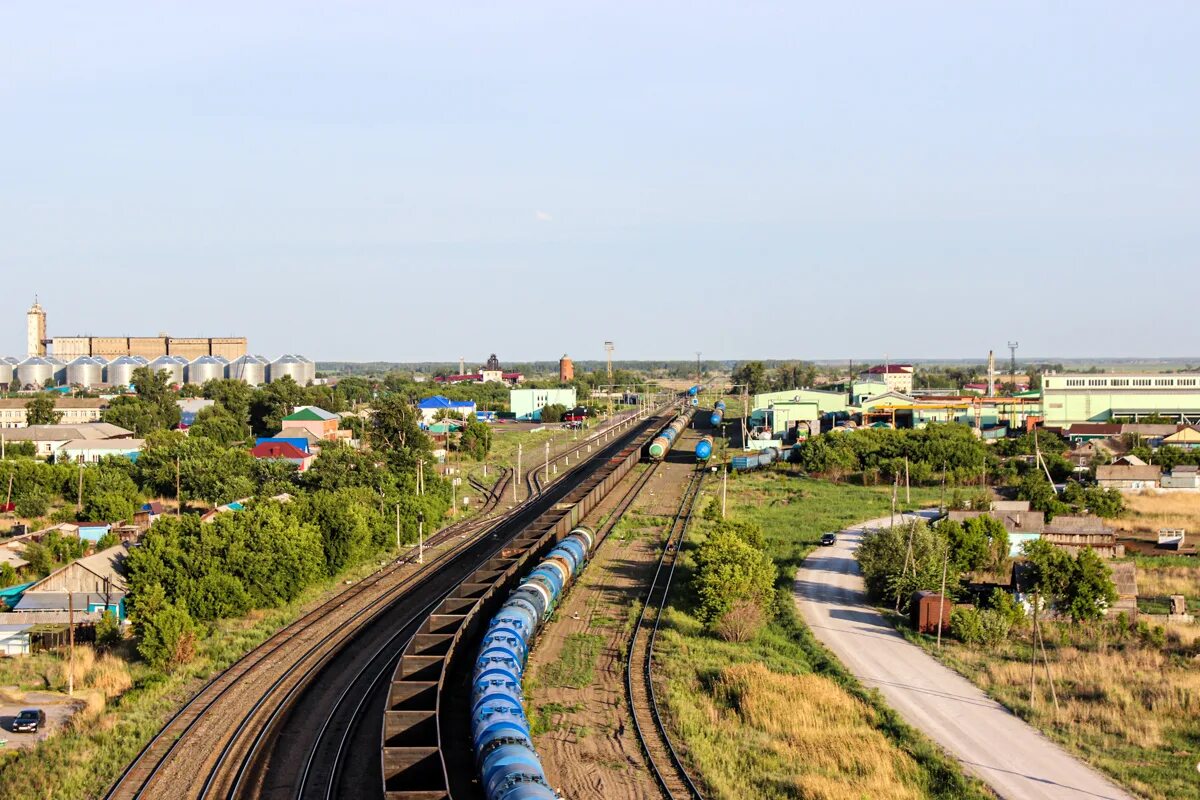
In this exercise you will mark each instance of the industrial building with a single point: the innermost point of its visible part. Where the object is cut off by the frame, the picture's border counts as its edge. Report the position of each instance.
(491, 373)
(1091, 397)
(74, 410)
(68, 348)
(897, 377)
(527, 404)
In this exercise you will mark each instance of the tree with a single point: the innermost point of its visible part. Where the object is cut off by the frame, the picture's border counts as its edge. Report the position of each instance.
(900, 560)
(1090, 590)
(220, 425)
(554, 412)
(753, 374)
(8, 575)
(1050, 568)
(153, 408)
(41, 410)
(32, 505)
(728, 569)
(168, 638)
(475, 439)
(108, 630)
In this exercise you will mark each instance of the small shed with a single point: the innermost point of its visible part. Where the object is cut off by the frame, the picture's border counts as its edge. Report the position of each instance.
(924, 611)
(14, 640)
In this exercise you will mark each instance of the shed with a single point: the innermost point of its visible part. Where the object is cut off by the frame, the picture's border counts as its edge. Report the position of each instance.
(1123, 476)
(14, 640)
(924, 611)
(93, 531)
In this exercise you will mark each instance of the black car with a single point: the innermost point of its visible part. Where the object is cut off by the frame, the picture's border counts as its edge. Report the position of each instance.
(828, 538)
(29, 721)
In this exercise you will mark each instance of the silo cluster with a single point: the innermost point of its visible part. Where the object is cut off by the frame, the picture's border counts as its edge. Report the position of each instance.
(205, 369)
(249, 368)
(173, 365)
(86, 372)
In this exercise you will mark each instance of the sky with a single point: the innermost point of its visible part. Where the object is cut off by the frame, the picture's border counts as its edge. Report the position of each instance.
(423, 181)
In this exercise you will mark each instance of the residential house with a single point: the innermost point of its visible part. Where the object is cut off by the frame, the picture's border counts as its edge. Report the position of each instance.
(1080, 432)
(430, 407)
(73, 410)
(87, 587)
(317, 421)
(1074, 533)
(144, 517)
(90, 451)
(1187, 438)
(1127, 477)
(48, 438)
(285, 451)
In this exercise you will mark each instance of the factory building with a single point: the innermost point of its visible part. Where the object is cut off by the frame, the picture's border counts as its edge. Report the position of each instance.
(527, 404)
(1091, 397)
(897, 377)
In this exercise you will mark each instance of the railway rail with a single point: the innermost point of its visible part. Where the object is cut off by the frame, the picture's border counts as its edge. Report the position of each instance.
(665, 764)
(426, 731)
(227, 692)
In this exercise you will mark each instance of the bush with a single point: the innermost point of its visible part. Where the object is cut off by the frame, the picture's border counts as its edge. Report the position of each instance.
(33, 504)
(966, 626)
(1007, 606)
(168, 638)
(741, 623)
(996, 626)
(108, 630)
(728, 570)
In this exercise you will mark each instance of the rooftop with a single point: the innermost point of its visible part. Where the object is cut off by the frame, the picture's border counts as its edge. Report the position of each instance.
(90, 431)
(882, 369)
(310, 414)
(278, 449)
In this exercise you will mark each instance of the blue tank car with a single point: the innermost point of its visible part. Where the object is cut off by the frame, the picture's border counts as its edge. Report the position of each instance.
(509, 768)
(704, 448)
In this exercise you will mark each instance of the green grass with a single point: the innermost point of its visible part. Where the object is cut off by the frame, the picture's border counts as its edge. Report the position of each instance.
(575, 667)
(737, 747)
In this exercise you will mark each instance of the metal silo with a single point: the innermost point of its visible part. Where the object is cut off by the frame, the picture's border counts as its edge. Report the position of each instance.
(205, 369)
(173, 365)
(287, 365)
(8, 369)
(120, 370)
(60, 370)
(249, 368)
(310, 369)
(85, 371)
(35, 371)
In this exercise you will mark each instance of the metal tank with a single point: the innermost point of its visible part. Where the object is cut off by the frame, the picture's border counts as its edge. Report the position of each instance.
(35, 371)
(249, 368)
(173, 365)
(205, 369)
(287, 365)
(60, 370)
(704, 448)
(85, 371)
(120, 370)
(8, 369)
(310, 369)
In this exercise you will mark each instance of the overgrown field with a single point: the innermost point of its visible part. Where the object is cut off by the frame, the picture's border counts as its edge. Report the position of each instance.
(1147, 512)
(1128, 702)
(777, 716)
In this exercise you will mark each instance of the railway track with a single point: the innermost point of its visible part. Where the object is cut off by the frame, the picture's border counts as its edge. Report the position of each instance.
(426, 753)
(664, 761)
(208, 723)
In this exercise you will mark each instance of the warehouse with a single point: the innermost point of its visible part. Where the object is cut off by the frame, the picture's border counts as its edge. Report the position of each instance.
(1085, 397)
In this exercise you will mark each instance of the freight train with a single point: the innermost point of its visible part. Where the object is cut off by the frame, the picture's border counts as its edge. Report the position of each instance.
(762, 458)
(692, 392)
(661, 445)
(718, 413)
(509, 768)
(704, 448)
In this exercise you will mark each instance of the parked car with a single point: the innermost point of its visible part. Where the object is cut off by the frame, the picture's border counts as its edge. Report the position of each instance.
(30, 720)
(828, 538)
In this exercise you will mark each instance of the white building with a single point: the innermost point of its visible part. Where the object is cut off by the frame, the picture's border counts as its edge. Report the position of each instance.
(527, 404)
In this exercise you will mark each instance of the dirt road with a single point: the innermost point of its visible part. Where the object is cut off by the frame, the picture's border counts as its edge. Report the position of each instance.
(1009, 755)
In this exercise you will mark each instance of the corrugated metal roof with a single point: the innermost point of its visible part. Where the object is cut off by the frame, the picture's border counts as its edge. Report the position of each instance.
(278, 449)
(1125, 472)
(310, 414)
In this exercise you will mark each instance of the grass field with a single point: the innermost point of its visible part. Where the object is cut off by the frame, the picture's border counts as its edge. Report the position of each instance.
(1126, 706)
(778, 717)
(1147, 512)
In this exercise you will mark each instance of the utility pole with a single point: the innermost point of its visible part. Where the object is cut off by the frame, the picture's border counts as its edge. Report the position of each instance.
(907, 486)
(547, 462)
(79, 496)
(397, 529)
(724, 489)
(178, 499)
(71, 643)
(420, 537)
(942, 596)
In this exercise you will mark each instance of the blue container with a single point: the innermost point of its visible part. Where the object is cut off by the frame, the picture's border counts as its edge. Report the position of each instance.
(704, 449)
(717, 416)
(692, 392)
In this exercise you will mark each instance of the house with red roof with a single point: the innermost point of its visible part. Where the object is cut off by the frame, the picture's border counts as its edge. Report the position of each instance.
(281, 450)
(898, 377)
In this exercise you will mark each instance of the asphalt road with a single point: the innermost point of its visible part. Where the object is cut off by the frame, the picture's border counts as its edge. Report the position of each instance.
(1005, 752)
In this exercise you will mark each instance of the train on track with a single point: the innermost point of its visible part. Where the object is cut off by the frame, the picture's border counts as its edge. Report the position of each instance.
(762, 458)
(662, 444)
(704, 448)
(718, 413)
(508, 765)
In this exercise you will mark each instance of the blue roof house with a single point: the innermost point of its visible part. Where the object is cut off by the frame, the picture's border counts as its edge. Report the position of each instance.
(430, 406)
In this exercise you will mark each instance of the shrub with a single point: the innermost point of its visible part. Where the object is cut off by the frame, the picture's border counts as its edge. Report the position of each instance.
(168, 638)
(108, 630)
(995, 626)
(729, 569)
(966, 625)
(741, 623)
(33, 504)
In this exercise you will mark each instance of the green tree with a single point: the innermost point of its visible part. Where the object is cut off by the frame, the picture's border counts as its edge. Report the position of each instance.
(753, 374)
(32, 504)
(168, 638)
(220, 425)
(475, 439)
(729, 569)
(8, 575)
(553, 412)
(1090, 590)
(41, 410)
(153, 408)
(900, 560)
(108, 630)
(1050, 568)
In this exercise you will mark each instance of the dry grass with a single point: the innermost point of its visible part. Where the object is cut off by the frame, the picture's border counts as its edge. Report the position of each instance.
(1163, 581)
(1124, 707)
(1146, 512)
(784, 721)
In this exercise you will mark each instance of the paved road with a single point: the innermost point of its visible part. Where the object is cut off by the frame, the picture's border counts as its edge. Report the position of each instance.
(1013, 758)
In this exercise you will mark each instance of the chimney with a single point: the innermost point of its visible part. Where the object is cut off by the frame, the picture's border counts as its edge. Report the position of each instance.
(991, 374)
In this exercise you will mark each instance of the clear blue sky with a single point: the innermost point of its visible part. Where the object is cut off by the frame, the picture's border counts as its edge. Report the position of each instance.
(411, 181)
